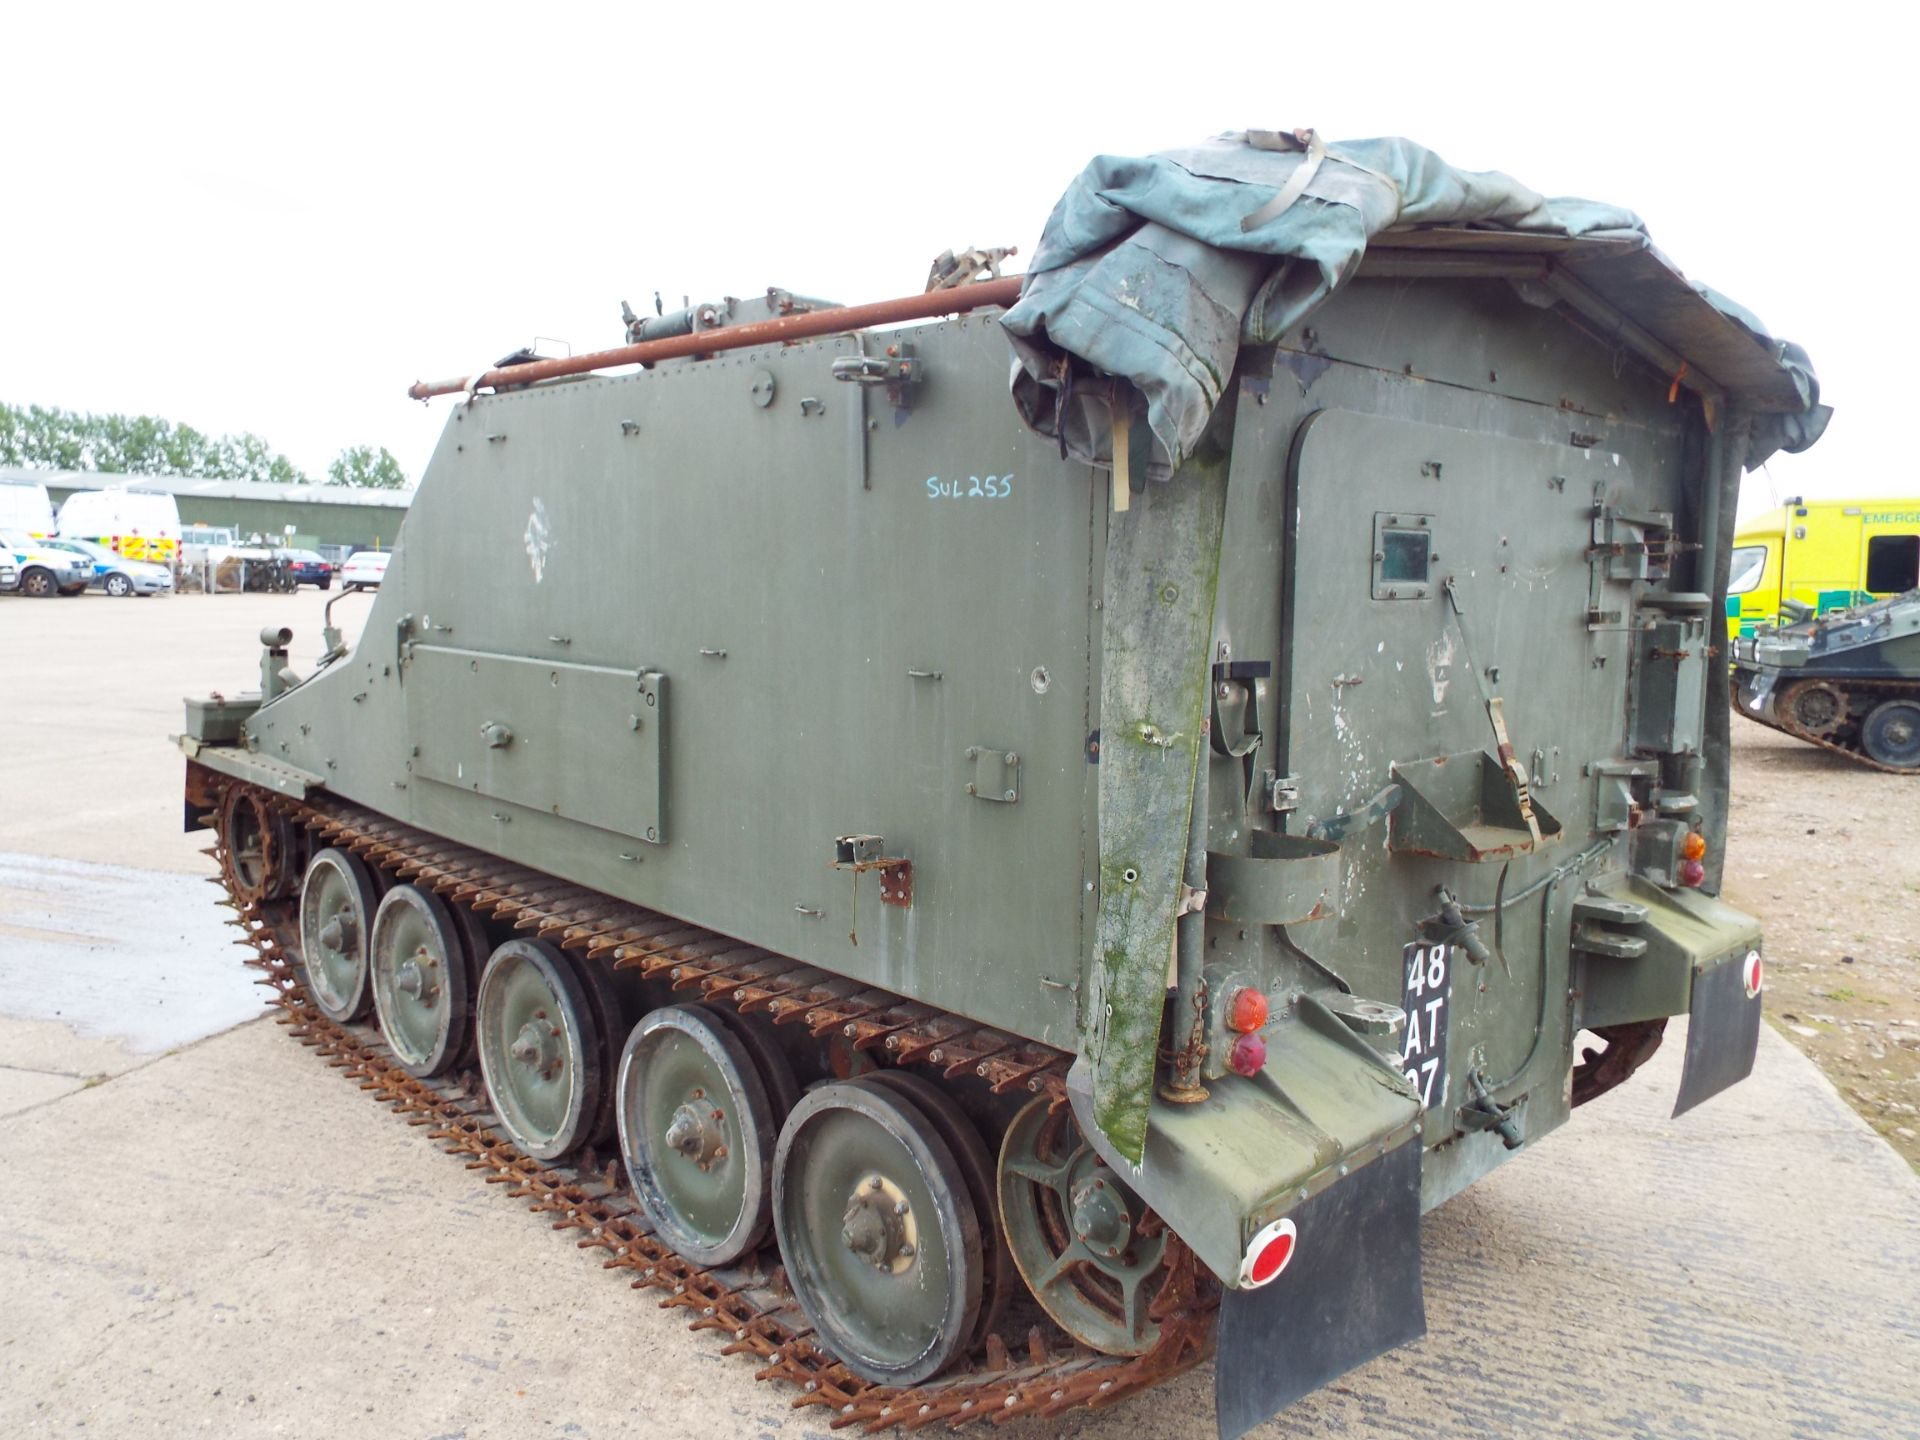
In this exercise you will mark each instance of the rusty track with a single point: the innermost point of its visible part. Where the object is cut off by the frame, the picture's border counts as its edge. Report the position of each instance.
(1798, 732)
(751, 1311)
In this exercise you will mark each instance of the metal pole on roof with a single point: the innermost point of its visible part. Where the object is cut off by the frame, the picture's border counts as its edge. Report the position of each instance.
(734, 337)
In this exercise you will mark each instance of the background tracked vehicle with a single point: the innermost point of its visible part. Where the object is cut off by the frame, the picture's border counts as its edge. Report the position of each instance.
(1089, 870)
(1848, 681)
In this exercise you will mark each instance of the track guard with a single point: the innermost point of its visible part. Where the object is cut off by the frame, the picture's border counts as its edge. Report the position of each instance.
(1351, 1292)
(1723, 1030)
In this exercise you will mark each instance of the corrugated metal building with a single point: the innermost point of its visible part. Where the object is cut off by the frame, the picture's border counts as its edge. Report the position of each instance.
(319, 514)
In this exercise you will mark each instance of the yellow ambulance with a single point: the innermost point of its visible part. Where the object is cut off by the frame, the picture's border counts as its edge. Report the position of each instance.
(1823, 554)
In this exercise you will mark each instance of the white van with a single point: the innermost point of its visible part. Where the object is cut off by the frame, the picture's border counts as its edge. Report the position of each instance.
(26, 508)
(136, 524)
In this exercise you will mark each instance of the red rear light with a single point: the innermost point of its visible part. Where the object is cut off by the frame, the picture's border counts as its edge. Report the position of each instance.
(1750, 972)
(1692, 872)
(1268, 1253)
(1249, 1009)
(1248, 1056)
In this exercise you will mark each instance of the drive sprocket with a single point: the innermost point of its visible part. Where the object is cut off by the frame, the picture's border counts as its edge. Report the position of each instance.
(1818, 707)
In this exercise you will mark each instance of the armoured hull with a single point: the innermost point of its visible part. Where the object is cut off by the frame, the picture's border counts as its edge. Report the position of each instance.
(983, 864)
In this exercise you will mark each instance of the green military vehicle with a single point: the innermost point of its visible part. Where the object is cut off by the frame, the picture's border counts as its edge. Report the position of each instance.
(989, 902)
(1847, 681)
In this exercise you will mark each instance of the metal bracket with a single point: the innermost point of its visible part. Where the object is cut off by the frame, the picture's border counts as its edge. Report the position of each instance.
(1282, 792)
(897, 370)
(996, 774)
(860, 853)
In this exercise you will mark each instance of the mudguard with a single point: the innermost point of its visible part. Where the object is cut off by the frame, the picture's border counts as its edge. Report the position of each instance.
(1350, 1292)
(1723, 1029)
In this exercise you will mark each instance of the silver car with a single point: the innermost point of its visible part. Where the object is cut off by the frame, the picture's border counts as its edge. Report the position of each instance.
(116, 574)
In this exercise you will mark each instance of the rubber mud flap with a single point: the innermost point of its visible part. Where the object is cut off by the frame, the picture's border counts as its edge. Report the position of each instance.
(1723, 1034)
(1351, 1292)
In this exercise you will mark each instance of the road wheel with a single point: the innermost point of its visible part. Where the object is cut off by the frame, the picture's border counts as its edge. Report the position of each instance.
(39, 583)
(540, 1048)
(338, 903)
(1891, 734)
(419, 980)
(326, 584)
(997, 1278)
(118, 585)
(878, 1231)
(698, 1125)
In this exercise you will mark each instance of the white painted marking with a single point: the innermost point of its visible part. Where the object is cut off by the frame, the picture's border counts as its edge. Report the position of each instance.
(538, 539)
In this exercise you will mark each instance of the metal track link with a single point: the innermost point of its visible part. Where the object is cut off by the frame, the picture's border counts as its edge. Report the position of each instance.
(751, 1310)
(1787, 727)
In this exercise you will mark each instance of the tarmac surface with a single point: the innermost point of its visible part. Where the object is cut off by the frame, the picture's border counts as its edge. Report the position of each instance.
(208, 1231)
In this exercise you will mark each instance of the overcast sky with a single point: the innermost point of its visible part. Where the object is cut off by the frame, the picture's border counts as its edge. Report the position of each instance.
(275, 218)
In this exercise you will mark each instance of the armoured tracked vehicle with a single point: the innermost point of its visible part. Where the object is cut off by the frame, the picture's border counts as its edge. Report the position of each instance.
(987, 903)
(1847, 681)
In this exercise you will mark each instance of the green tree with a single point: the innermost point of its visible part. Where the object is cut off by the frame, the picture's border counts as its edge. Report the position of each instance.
(362, 468)
(48, 438)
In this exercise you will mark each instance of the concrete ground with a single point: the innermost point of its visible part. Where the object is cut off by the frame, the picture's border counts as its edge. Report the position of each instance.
(207, 1231)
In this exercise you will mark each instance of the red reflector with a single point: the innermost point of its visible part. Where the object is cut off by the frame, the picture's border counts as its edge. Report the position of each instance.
(1272, 1260)
(1268, 1253)
(1692, 872)
(1249, 1009)
(1750, 971)
(1248, 1056)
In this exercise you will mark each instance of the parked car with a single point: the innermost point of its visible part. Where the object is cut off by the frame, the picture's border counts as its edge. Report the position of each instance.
(43, 572)
(116, 574)
(308, 568)
(364, 569)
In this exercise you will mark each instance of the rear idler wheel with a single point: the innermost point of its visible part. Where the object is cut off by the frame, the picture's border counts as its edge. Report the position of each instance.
(698, 1125)
(262, 858)
(541, 1050)
(1086, 1245)
(878, 1231)
(1891, 734)
(420, 990)
(338, 901)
